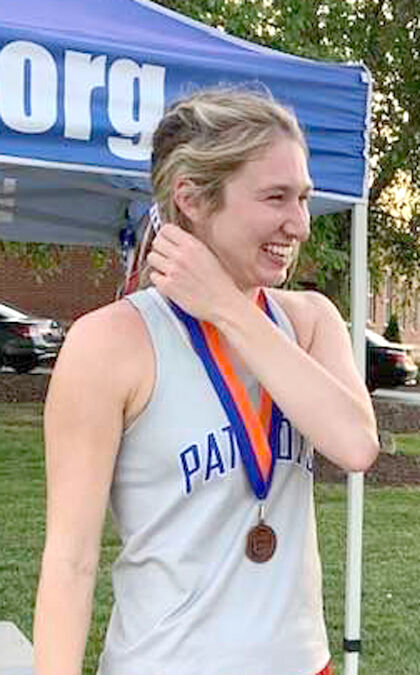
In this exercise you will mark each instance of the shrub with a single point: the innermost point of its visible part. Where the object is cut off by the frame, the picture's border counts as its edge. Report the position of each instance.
(392, 331)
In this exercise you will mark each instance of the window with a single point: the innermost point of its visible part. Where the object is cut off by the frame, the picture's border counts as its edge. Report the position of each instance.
(371, 301)
(416, 311)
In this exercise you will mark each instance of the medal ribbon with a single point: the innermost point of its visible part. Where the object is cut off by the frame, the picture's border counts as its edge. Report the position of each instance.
(257, 434)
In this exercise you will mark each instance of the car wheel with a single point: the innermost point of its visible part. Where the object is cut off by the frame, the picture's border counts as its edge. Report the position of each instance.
(24, 365)
(371, 385)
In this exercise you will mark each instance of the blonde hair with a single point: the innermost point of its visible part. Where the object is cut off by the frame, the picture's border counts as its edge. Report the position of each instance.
(206, 138)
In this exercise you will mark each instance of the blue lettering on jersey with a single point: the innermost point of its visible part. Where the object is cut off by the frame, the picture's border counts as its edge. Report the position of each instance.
(190, 462)
(305, 455)
(285, 446)
(214, 458)
(216, 455)
(232, 445)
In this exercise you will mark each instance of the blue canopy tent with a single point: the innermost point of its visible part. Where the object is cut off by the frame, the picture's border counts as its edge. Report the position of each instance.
(83, 84)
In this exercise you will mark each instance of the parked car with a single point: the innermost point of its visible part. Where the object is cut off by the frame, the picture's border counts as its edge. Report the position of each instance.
(388, 364)
(27, 341)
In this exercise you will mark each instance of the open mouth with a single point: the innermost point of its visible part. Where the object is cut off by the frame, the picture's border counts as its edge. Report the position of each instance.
(278, 253)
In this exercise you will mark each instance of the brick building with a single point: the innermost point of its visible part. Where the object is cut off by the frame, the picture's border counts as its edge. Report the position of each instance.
(75, 289)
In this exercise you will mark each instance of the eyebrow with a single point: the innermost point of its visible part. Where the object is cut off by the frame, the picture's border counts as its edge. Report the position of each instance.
(276, 187)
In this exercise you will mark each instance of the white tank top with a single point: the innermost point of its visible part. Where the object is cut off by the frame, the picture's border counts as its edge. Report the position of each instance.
(187, 599)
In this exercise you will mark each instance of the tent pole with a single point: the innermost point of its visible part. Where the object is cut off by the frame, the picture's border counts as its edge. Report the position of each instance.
(352, 640)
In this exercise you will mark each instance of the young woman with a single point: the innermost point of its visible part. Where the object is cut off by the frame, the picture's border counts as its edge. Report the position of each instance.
(194, 404)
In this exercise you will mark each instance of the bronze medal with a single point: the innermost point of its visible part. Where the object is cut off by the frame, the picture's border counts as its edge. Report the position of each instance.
(261, 543)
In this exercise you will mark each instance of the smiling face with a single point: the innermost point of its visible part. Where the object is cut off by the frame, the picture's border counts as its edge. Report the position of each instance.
(264, 216)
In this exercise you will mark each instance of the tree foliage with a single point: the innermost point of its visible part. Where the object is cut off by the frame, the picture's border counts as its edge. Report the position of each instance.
(48, 260)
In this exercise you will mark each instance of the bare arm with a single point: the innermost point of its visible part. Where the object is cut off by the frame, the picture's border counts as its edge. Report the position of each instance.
(316, 384)
(88, 396)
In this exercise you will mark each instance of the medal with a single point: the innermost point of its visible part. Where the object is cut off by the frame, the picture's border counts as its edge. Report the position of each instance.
(261, 541)
(257, 433)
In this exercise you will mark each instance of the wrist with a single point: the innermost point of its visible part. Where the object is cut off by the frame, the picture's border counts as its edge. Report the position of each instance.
(232, 313)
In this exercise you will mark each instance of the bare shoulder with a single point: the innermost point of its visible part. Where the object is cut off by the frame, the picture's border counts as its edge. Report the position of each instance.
(306, 310)
(109, 351)
(113, 331)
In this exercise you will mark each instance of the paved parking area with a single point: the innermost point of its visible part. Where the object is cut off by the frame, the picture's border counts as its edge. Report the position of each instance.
(37, 371)
(409, 395)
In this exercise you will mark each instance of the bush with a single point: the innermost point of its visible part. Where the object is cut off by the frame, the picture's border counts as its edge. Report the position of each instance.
(392, 331)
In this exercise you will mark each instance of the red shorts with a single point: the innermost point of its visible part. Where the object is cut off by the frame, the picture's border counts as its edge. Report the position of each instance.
(328, 670)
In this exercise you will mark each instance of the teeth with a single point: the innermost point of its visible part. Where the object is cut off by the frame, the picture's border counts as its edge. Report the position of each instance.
(279, 249)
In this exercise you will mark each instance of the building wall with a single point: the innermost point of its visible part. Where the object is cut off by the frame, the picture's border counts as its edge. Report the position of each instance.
(65, 295)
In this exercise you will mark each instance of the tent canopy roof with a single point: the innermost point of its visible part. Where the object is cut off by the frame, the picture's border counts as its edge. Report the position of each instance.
(84, 82)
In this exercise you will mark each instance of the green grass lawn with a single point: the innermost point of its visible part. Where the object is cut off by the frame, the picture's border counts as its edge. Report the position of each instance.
(408, 444)
(391, 606)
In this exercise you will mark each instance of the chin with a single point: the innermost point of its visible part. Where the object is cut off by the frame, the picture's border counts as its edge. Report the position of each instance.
(264, 278)
(273, 279)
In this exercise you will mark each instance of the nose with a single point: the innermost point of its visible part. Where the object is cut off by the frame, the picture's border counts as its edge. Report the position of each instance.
(297, 222)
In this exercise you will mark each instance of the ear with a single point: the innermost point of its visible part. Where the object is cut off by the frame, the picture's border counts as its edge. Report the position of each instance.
(184, 194)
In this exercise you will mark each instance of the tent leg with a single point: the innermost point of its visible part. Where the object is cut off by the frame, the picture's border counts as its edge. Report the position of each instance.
(355, 480)
(353, 573)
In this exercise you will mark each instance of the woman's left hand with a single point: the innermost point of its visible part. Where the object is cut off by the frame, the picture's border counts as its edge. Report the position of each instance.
(186, 271)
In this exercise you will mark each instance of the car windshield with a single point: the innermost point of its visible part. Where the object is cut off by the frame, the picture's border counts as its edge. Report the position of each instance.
(9, 312)
(376, 338)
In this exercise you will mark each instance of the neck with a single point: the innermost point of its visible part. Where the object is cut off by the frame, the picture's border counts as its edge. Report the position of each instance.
(252, 293)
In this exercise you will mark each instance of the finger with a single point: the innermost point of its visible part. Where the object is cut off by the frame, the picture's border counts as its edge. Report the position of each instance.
(163, 245)
(175, 234)
(158, 261)
(157, 279)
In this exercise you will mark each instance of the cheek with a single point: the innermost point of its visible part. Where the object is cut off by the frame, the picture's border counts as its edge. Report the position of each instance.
(237, 233)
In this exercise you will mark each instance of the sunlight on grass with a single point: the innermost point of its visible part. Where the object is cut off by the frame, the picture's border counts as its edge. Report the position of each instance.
(408, 444)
